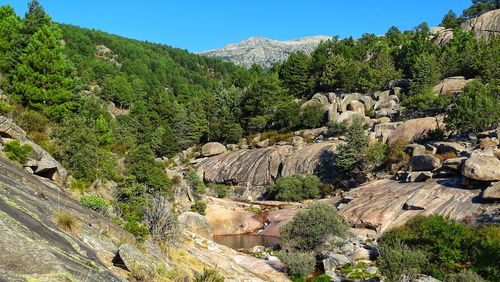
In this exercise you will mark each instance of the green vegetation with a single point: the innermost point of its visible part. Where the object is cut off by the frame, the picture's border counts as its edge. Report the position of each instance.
(298, 263)
(439, 247)
(209, 275)
(94, 203)
(295, 188)
(67, 222)
(196, 183)
(199, 207)
(349, 156)
(312, 115)
(310, 227)
(478, 108)
(17, 152)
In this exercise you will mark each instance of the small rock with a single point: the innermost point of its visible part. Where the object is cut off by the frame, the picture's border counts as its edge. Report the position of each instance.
(424, 162)
(263, 144)
(360, 253)
(371, 270)
(415, 150)
(482, 165)
(419, 176)
(257, 249)
(335, 261)
(492, 193)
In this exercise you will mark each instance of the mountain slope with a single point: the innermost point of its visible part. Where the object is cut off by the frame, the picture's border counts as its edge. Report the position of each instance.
(263, 51)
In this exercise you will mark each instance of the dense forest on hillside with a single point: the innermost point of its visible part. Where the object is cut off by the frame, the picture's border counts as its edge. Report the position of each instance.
(107, 106)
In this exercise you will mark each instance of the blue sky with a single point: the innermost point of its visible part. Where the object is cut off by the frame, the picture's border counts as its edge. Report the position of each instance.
(199, 25)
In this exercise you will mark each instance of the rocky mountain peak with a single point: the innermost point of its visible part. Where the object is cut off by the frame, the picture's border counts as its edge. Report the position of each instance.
(264, 51)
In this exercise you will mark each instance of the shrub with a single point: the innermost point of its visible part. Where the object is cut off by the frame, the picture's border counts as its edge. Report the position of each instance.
(350, 155)
(219, 189)
(94, 203)
(136, 228)
(464, 276)
(209, 275)
(313, 115)
(337, 129)
(199, 207)
(67, 222)
(426, 100)
(298, 263)
(196, 183)
(476, 109)
(322, 278)
(5, 108)
(161, 219)
(257, 124)
(295, 188)
(398, 261)
(275, 137)
(311, 226)
(376, 154)
(397, 155)
(17, 152)
(451, 247)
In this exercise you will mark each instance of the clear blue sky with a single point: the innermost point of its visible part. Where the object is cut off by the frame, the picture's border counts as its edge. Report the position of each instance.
(199, 25)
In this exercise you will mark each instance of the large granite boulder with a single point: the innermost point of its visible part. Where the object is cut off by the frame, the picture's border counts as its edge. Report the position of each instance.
(424, 162)
(8, 129)
(492, 193)
(226, 219)
(382, 132)
(414, 129)
(350, 116)
(443, 147)
(451, 86)
(482, 165)
(212, 149)
(415, 149)
(196, 223)
(356, 106)
(485, 26)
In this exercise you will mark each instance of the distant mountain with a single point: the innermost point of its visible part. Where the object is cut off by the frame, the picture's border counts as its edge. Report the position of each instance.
(264, 51)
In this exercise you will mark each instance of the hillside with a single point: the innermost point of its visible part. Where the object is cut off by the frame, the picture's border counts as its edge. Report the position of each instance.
(264, 52)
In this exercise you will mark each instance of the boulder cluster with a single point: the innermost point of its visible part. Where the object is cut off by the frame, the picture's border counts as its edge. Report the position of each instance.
(40, 162)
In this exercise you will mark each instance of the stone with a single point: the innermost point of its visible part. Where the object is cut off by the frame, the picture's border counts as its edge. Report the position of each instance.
(387, 104)
(212, 149)
(424, 162)
(394, 98)
(381, 113)
(425, 278)
(488, 143)
(382, 96)
(332, 113)
(8, 129)
(263, 144)
(485, 26)
(257, 249)
(383, 120)
(430, 149)
(233, 147)
(334, 261)
(442, 35)
(196, 223)
(396, 91)
(384, 131)
(349, 117)
(414, 129)
(297, 140)
(419, 176)
(321, 98)
(356, 106)
(227, 219)
(378, 204)
(367, 102)
(492, 193)
(454, 163)
(371, 270)
(451, 86)
(482, 165)
(415, 150)
(311, 134)
(359, 253)
(332, 98)
(131, 259)
(449, 147)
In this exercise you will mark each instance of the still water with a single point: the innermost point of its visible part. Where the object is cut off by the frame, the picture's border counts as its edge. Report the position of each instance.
(247, 241)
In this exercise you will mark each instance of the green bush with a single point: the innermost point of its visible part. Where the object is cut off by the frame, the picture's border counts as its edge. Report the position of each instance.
(349, 156)
(298, 263)
(397, 260)
(337, 129)
(16, 152)
(322, 278)
(219, 189)
(464, 276)
(376, 154)
(209, 275)
(199, 207)
(478, 108)
(94, 203)
(312, 115)
(451, 247)
(426, 100)
(295, 188)
(310, 227)
(5, 108)
(196, 183)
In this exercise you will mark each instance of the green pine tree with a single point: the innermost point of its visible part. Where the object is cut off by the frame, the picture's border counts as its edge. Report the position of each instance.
(294, 74)
(9, 33)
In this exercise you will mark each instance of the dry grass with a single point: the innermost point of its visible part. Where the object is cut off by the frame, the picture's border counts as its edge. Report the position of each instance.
(67, 223)
(444, 156)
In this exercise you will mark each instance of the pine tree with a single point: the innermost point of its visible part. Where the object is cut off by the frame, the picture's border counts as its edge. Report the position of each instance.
(34, 19)
(43, 78)
(294, 74)
(9, 33)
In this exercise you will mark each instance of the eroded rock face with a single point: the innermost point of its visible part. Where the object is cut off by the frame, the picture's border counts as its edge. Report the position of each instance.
(482, 165)
(259, 167)
(413, 129)
(379, 205)
(451, 86)
(484, 26)
(9, 129)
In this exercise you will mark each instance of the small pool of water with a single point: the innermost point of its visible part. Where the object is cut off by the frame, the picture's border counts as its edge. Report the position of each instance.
(247, 241)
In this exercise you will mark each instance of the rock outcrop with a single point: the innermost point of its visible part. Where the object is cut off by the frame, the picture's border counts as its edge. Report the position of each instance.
(263, 51)
(259, 167)
(484, 26)
(212, 149)
(482, 165)
(414, 129)
(196, 223)
(451, 86)
(385, 204)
